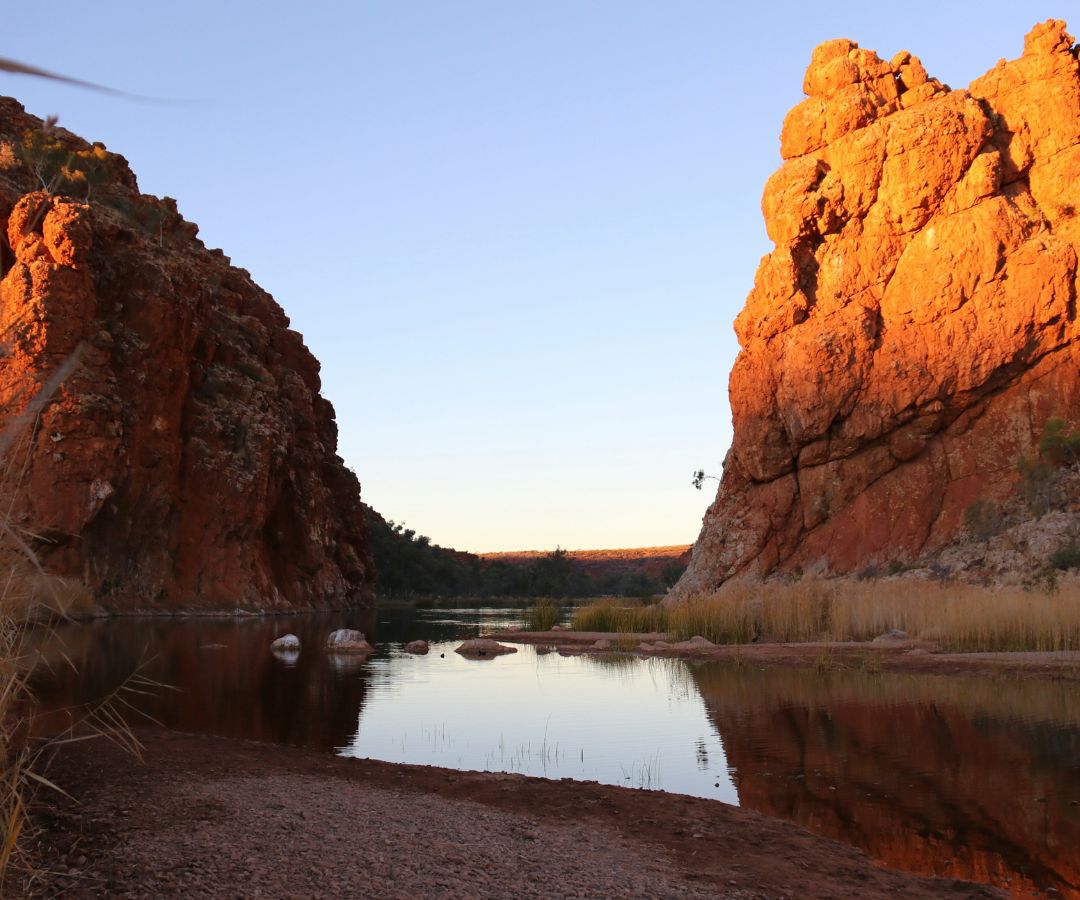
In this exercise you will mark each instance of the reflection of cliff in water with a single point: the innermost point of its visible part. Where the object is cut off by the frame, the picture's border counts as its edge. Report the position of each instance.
(226, 681)
(969, 778)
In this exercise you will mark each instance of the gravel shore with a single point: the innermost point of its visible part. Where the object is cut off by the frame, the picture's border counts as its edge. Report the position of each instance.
(210, 817)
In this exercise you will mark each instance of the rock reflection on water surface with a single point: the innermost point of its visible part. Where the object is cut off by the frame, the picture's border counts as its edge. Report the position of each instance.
(972, 778)
(225, 680)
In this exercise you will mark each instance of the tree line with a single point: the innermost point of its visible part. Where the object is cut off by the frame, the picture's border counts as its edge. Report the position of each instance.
(408, 565)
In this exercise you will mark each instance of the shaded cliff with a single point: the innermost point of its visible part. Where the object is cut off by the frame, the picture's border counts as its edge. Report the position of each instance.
(189, 461)
(915, 326)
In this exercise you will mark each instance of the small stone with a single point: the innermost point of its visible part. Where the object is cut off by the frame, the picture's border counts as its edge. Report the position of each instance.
(419, 647)
(894, 634)
(287, 642)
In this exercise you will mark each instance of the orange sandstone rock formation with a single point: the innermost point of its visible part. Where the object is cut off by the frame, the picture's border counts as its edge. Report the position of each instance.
(190, 460)
(915, 325)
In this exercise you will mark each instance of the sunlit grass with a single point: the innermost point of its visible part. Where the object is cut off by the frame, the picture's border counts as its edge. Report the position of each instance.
(954, 616)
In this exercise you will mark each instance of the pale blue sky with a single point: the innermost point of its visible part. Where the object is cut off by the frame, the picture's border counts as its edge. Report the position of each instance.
(515, 233)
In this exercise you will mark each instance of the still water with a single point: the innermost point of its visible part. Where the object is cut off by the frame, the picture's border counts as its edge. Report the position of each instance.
(971, 777)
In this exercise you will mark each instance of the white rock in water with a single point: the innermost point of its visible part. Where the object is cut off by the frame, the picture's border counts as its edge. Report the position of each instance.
(287, 642)
(346, 640)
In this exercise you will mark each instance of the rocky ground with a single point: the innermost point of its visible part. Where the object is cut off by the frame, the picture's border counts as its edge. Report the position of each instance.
(209, 817)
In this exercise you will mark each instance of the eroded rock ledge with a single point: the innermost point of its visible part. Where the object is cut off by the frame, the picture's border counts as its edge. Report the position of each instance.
(915, 325)
(190, 460)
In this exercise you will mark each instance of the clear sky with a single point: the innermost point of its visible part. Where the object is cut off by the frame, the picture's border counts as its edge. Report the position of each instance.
(515, 233)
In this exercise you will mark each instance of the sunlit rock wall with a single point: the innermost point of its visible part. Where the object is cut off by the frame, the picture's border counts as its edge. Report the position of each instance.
(915, 325)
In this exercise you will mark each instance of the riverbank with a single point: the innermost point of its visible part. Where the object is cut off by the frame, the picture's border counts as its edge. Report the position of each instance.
(889, 655)
(216, 817)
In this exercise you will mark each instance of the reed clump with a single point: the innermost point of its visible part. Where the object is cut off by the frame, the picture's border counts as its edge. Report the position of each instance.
(959, 617)
(955, 616)
(607, 615)
(543, 615)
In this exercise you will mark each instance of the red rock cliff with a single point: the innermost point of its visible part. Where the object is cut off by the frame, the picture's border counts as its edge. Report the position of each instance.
(189, 462)
(915, 325)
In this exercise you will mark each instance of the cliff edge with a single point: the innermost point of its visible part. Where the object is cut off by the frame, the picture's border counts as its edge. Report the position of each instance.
(915, 326)
(189, 460)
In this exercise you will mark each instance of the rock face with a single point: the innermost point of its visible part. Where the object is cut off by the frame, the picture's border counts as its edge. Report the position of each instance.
(915, 325)
(190, 460)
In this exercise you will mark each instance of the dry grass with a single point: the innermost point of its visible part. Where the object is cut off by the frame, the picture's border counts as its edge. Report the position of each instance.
(607, 615)
(543, 614)
(955, 616)
(958, 617)
(29, 597)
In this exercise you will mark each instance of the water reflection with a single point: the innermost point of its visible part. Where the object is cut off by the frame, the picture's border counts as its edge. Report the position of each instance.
(972, 778)
(225, 679)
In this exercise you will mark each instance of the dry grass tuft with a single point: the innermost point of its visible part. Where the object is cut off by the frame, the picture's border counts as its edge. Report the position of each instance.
(955, 616)
(543, 614)
(607, 615)
(31, 598)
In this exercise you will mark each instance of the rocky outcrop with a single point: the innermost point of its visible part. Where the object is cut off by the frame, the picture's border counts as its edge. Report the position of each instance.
(915, 325)
(189, 461)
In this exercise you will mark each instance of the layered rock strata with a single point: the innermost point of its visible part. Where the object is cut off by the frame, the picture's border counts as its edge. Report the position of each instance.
(915, 325)
(189, 461)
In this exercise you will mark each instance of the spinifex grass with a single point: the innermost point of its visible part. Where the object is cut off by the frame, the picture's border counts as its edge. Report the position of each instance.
(606, 615)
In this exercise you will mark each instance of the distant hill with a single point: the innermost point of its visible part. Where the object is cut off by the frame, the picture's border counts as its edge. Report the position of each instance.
(409, 566)
(650, 561)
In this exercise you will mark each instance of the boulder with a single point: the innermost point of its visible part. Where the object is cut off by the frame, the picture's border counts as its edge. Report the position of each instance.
(419, 647)
(483, 648)
(346, 640)
(286, 643)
